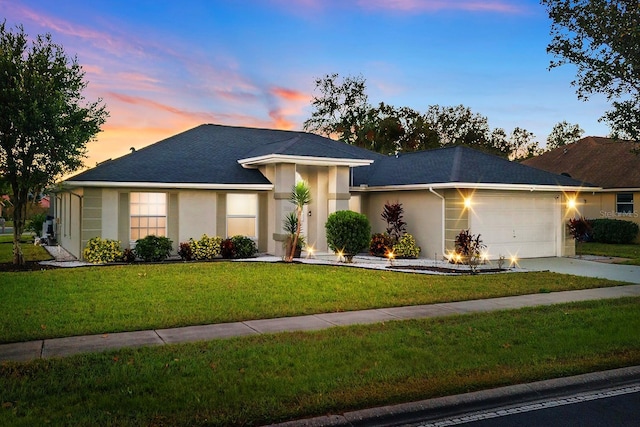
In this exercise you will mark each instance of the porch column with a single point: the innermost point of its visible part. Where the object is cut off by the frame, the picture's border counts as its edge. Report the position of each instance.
(338, 195)
(283, 179)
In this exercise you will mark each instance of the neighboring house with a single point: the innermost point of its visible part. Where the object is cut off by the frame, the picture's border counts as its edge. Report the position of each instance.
(609, 164)
(223, 180)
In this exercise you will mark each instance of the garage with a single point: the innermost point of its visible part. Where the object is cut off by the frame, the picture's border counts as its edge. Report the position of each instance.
(524, 225)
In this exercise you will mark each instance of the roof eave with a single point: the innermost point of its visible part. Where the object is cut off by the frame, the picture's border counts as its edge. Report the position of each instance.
(167, 185)
(475, 186)
(253, 162)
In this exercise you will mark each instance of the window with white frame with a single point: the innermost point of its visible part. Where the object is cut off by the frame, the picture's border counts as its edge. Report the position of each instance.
(242, 215)
(624, 203)
(148, 214)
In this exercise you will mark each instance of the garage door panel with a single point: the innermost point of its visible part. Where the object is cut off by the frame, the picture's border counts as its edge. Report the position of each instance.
(516, 225)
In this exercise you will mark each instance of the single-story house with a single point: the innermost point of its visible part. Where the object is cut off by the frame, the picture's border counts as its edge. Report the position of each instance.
(611, 165)
(224, 180)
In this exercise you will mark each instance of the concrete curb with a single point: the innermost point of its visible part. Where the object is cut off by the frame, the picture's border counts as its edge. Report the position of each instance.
(449, 406)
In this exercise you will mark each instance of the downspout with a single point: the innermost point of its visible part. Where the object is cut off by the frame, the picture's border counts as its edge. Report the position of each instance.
(443, 217)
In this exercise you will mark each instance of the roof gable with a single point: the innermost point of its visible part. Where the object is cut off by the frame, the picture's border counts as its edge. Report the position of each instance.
(209, 154)
(604, 162)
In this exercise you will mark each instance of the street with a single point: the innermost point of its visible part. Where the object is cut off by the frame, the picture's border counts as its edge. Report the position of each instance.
(612, 407)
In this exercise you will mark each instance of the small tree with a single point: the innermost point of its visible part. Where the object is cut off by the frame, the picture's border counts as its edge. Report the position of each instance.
(393, 214)
(44, 121)
(347, 232)
(300, 196)
(469, 247)
(579, 228)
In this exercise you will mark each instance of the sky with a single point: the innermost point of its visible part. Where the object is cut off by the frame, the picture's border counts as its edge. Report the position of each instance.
(163, 67)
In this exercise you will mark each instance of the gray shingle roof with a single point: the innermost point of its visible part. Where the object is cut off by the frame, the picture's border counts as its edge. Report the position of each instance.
(209, 154)
(454, 165)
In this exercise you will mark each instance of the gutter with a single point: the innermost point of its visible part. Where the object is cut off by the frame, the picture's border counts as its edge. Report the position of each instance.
(443, 217)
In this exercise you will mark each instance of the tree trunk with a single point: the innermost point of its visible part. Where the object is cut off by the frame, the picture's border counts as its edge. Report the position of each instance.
(296, 236)
(19, 213)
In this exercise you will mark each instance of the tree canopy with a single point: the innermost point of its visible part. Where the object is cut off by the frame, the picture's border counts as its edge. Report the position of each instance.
(602, 39)
(45, 122)
(342, 111)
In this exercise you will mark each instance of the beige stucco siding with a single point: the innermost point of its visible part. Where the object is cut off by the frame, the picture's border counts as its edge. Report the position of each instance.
(422, 213)
(110, 206)
(456, 216)
(603, 205)
(197, 212)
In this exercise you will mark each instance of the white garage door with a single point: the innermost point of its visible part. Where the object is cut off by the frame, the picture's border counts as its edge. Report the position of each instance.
(522, 226)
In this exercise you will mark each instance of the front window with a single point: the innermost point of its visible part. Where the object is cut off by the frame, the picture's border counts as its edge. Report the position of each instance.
(148, 215)
(624, 203)
(242, 214)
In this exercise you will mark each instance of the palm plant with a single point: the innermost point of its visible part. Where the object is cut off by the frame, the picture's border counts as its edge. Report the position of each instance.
(300, 196)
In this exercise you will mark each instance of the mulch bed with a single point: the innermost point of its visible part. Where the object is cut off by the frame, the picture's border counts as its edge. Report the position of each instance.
(446, 270)
(6, 267)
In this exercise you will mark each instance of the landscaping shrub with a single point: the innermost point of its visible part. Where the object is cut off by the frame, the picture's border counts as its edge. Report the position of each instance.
(153, 248)
(244, 247)
(100, 251)
(128, 256)
(227, 249)
(207, 248)
(35, 224)
(607, 230)
(380, 244)
(580, 229)
(185, 252)
(349, 232)
(392, 214)
(406, 247)
(468, 250)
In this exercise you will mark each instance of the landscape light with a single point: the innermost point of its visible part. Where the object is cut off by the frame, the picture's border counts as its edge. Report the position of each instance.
(310, 251)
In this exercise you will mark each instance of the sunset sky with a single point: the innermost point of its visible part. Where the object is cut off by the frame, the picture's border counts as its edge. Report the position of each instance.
(163, 67)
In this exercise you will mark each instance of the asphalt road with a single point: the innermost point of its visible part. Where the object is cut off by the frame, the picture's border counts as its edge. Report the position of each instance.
(618, 407)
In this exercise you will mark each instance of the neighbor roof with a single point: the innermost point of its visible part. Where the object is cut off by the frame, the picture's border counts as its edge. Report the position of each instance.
(604, 162)
(457, 164)
(209, 154)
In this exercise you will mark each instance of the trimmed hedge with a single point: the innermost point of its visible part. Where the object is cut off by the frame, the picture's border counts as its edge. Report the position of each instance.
(605, 230)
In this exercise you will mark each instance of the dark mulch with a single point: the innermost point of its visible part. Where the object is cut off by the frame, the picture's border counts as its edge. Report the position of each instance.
(447, 270)
(28, 266)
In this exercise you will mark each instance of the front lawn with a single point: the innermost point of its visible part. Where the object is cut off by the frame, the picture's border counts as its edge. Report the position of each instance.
(95, 300)
(31, 252)
(270, 378)
(631, 251)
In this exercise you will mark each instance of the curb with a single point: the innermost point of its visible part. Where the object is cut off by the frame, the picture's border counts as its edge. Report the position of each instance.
(449, 406)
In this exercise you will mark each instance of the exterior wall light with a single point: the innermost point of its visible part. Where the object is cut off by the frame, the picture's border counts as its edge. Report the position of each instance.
(467, 202)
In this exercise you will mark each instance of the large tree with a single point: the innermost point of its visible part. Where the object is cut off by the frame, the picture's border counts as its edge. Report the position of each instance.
(45, 122)
(563, 133)
(602, 39)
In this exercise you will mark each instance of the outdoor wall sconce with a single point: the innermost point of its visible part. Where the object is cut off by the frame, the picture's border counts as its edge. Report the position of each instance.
(467, 202)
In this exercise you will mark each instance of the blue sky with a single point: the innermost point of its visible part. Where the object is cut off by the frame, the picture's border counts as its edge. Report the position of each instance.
(163, 67)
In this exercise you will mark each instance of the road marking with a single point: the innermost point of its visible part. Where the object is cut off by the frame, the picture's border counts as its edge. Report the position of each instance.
(579, 398)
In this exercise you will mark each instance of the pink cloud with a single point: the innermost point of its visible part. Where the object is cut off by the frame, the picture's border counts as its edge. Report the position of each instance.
(500, 6)
(101, 40)
(289, 94)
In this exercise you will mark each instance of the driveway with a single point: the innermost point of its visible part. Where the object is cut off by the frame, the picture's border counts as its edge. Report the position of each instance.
(581, 267)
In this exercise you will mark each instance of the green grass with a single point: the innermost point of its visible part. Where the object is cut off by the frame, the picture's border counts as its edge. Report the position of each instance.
(271, 378)
(31, 252)
(631, 251)
(94, 300)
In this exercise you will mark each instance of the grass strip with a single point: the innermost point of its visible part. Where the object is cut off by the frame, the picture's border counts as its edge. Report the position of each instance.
(95, 300)
(262, 379)
(630, 251)
(30, 251)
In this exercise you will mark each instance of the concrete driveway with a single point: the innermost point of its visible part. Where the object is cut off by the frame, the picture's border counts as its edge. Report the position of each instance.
(582, 267)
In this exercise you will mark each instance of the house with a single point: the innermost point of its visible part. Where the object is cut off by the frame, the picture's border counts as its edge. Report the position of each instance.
(224, 180)
(609, 164)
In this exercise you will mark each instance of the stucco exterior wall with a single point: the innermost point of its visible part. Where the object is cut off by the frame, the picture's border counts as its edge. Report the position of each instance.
(422, 213)
(603, 205)
(197, 212)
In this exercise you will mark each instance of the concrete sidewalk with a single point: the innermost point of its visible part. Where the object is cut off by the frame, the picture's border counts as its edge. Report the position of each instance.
(61, 347)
